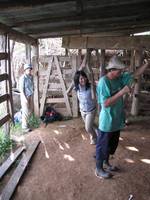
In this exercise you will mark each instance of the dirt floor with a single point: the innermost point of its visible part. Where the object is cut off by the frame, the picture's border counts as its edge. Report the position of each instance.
(63, 165)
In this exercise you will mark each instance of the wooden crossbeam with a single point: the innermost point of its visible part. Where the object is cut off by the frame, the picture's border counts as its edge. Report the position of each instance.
(4, 56)
(55, 100)
(122, 42)
(17, 36)
(16, 176)
(4, 97)
(4, 119)
(3, 77)
(8, 163)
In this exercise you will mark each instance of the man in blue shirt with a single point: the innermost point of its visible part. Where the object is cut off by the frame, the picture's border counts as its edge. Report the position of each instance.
(26, 95)
(110, 91)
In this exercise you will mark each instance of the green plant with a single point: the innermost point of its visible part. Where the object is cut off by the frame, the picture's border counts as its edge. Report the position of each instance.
(5, 144)
(16, 129)
(34, 121)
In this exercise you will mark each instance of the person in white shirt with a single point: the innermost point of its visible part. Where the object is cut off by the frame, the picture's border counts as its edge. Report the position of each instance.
(86, 103)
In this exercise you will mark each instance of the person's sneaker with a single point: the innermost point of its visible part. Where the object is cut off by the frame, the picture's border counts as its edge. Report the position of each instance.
(100, 173)
(26, 130)
(112, 168)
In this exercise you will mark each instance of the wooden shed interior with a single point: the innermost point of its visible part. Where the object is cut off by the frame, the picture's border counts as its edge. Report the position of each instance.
(90, 24)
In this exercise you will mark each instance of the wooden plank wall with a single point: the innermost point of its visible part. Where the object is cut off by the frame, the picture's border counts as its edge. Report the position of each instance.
(5, 83)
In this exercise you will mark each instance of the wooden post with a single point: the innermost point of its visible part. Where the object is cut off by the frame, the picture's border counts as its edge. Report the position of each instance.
(102, 63)
(66, 52)
(79, 57)
(90, 72)
(35, 63)
(98, 58)
(11, 109)
(132, 61)
(43, 98)
(135, 100)
(74, 95)
(28, 53)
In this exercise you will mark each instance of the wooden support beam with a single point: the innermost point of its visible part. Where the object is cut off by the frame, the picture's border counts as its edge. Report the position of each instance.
(17, 36)
(35, 63)
(11, 105)
(4, 97)
(132, 61)
(4, 119)
(43, 99)
(3, 56)
(126, 42)
(74, 94)
(28, 53)
(16, 176)
(102, 67)
(135, 100)
(63, 86)
(8, 163)
(91, 75)
(3, 77)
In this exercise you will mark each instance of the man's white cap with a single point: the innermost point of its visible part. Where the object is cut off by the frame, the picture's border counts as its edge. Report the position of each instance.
(115, 63)
(27, 66)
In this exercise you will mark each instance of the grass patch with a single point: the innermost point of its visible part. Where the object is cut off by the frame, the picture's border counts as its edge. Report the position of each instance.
(5, 144)
(34, 122)
(16, 129)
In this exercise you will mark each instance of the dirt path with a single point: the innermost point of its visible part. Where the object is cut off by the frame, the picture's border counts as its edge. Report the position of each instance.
(63, 166)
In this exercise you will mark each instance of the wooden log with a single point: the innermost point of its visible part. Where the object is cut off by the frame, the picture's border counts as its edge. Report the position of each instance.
(16, 176)
(8, 163)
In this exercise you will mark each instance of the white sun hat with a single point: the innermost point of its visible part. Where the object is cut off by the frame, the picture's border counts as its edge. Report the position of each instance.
(27, 66)
(115, 63)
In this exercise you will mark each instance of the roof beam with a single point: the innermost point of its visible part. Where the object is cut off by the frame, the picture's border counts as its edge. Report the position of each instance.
(24, 4)
(17, 36)
(122, 42)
